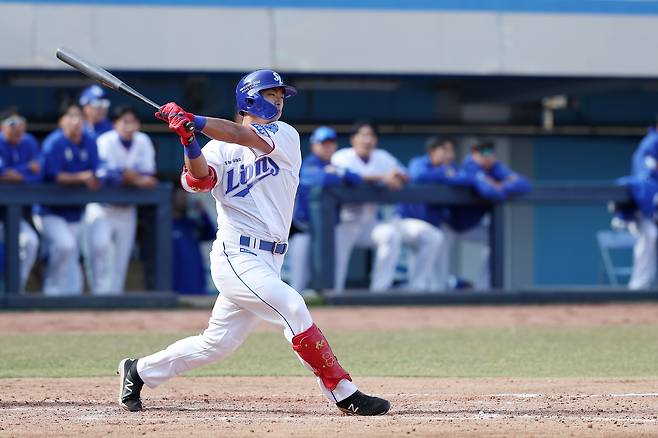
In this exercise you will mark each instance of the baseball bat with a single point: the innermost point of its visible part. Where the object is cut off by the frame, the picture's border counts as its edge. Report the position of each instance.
(106, 78)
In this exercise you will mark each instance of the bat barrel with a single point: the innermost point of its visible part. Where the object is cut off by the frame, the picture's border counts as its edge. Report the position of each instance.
(88, 68)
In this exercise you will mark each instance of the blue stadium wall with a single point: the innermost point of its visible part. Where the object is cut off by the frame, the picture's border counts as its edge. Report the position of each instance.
(566, 251)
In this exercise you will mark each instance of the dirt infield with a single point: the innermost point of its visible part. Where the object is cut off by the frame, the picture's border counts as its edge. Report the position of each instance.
(292, 406)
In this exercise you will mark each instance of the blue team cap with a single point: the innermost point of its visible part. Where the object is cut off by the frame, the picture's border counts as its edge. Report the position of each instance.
(94, 95)
(323, 133)
(486, 148)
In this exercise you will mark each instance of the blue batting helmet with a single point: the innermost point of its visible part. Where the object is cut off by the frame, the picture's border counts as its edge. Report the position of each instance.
(249, 99)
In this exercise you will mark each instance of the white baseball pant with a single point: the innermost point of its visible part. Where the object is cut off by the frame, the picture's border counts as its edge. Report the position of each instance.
(63, 273)
(109, 238)
(251, 290)
(28, 249)
(643, 274)
(426, 242)
(383, 237)
(478, 234)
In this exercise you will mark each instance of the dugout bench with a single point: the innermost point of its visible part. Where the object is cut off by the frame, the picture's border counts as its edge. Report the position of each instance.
(154, 205)
(325, 204)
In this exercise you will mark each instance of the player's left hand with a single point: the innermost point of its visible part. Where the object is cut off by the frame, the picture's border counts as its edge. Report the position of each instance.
(183, 128)
(173, 110)
(180, 121)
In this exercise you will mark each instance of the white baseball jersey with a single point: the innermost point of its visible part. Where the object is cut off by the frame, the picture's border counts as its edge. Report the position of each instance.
(140, 156)
(380, 163)
(255, 192)
(110, 229)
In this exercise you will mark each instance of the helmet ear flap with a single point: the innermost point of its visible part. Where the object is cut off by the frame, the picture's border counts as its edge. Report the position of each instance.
(248, 88)
(248, 104)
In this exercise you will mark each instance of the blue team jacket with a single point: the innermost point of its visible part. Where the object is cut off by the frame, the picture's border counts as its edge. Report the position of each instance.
(465, 218)
(643, 181)
(18, 156)
(422, 171)
(314, 173)
(98, 128)
(188, 274)
(62, 155)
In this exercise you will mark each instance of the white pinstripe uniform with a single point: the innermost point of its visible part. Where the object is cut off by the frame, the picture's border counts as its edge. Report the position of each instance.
(110, 229)
(359, 225)
(254, 196)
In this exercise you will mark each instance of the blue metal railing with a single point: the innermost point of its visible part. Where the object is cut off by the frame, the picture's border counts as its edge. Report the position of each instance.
(155, 204)
(325, 203)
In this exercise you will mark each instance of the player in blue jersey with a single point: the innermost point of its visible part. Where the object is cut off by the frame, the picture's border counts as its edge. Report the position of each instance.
(643, 184)
(191, 225)
(317, 171)
(20, 163)
(493, 181)
(95, 106)
(421, 224)
(70, 158)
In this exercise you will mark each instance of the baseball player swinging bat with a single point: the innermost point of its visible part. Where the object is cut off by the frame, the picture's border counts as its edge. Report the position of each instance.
(107, 79)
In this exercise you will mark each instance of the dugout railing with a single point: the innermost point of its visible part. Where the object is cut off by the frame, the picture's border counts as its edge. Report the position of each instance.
(325, 204)
(155, 210)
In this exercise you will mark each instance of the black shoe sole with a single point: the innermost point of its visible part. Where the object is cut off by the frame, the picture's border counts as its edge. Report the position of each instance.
(358, 414)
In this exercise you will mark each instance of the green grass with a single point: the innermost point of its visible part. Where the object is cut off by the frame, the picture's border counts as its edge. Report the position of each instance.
(527, 352)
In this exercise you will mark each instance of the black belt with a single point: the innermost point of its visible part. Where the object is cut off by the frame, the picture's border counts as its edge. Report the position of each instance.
(273, 247)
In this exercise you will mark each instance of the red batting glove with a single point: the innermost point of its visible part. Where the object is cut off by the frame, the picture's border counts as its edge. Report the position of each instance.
(171, 110)
(180, 121)
(183, 128)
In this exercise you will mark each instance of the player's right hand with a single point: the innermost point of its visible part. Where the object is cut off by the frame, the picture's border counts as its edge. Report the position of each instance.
(90, 180)
(395, 180)
(11, 175)
(146, 182)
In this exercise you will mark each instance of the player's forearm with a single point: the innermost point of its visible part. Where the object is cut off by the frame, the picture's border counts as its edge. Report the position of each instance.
(197, 167)
(71, 178)
(373, 179)
(223, 130)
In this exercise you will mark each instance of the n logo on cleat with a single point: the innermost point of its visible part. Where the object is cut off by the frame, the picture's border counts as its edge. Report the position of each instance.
(127, 388)
(353, 408)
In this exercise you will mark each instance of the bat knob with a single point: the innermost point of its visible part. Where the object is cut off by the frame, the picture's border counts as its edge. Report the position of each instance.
(189, 126)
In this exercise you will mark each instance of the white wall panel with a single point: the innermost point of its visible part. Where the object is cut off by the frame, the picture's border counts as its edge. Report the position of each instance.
(580, 44)
(138, 37)
(330, 40)
(16, 32)
(385, 41)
